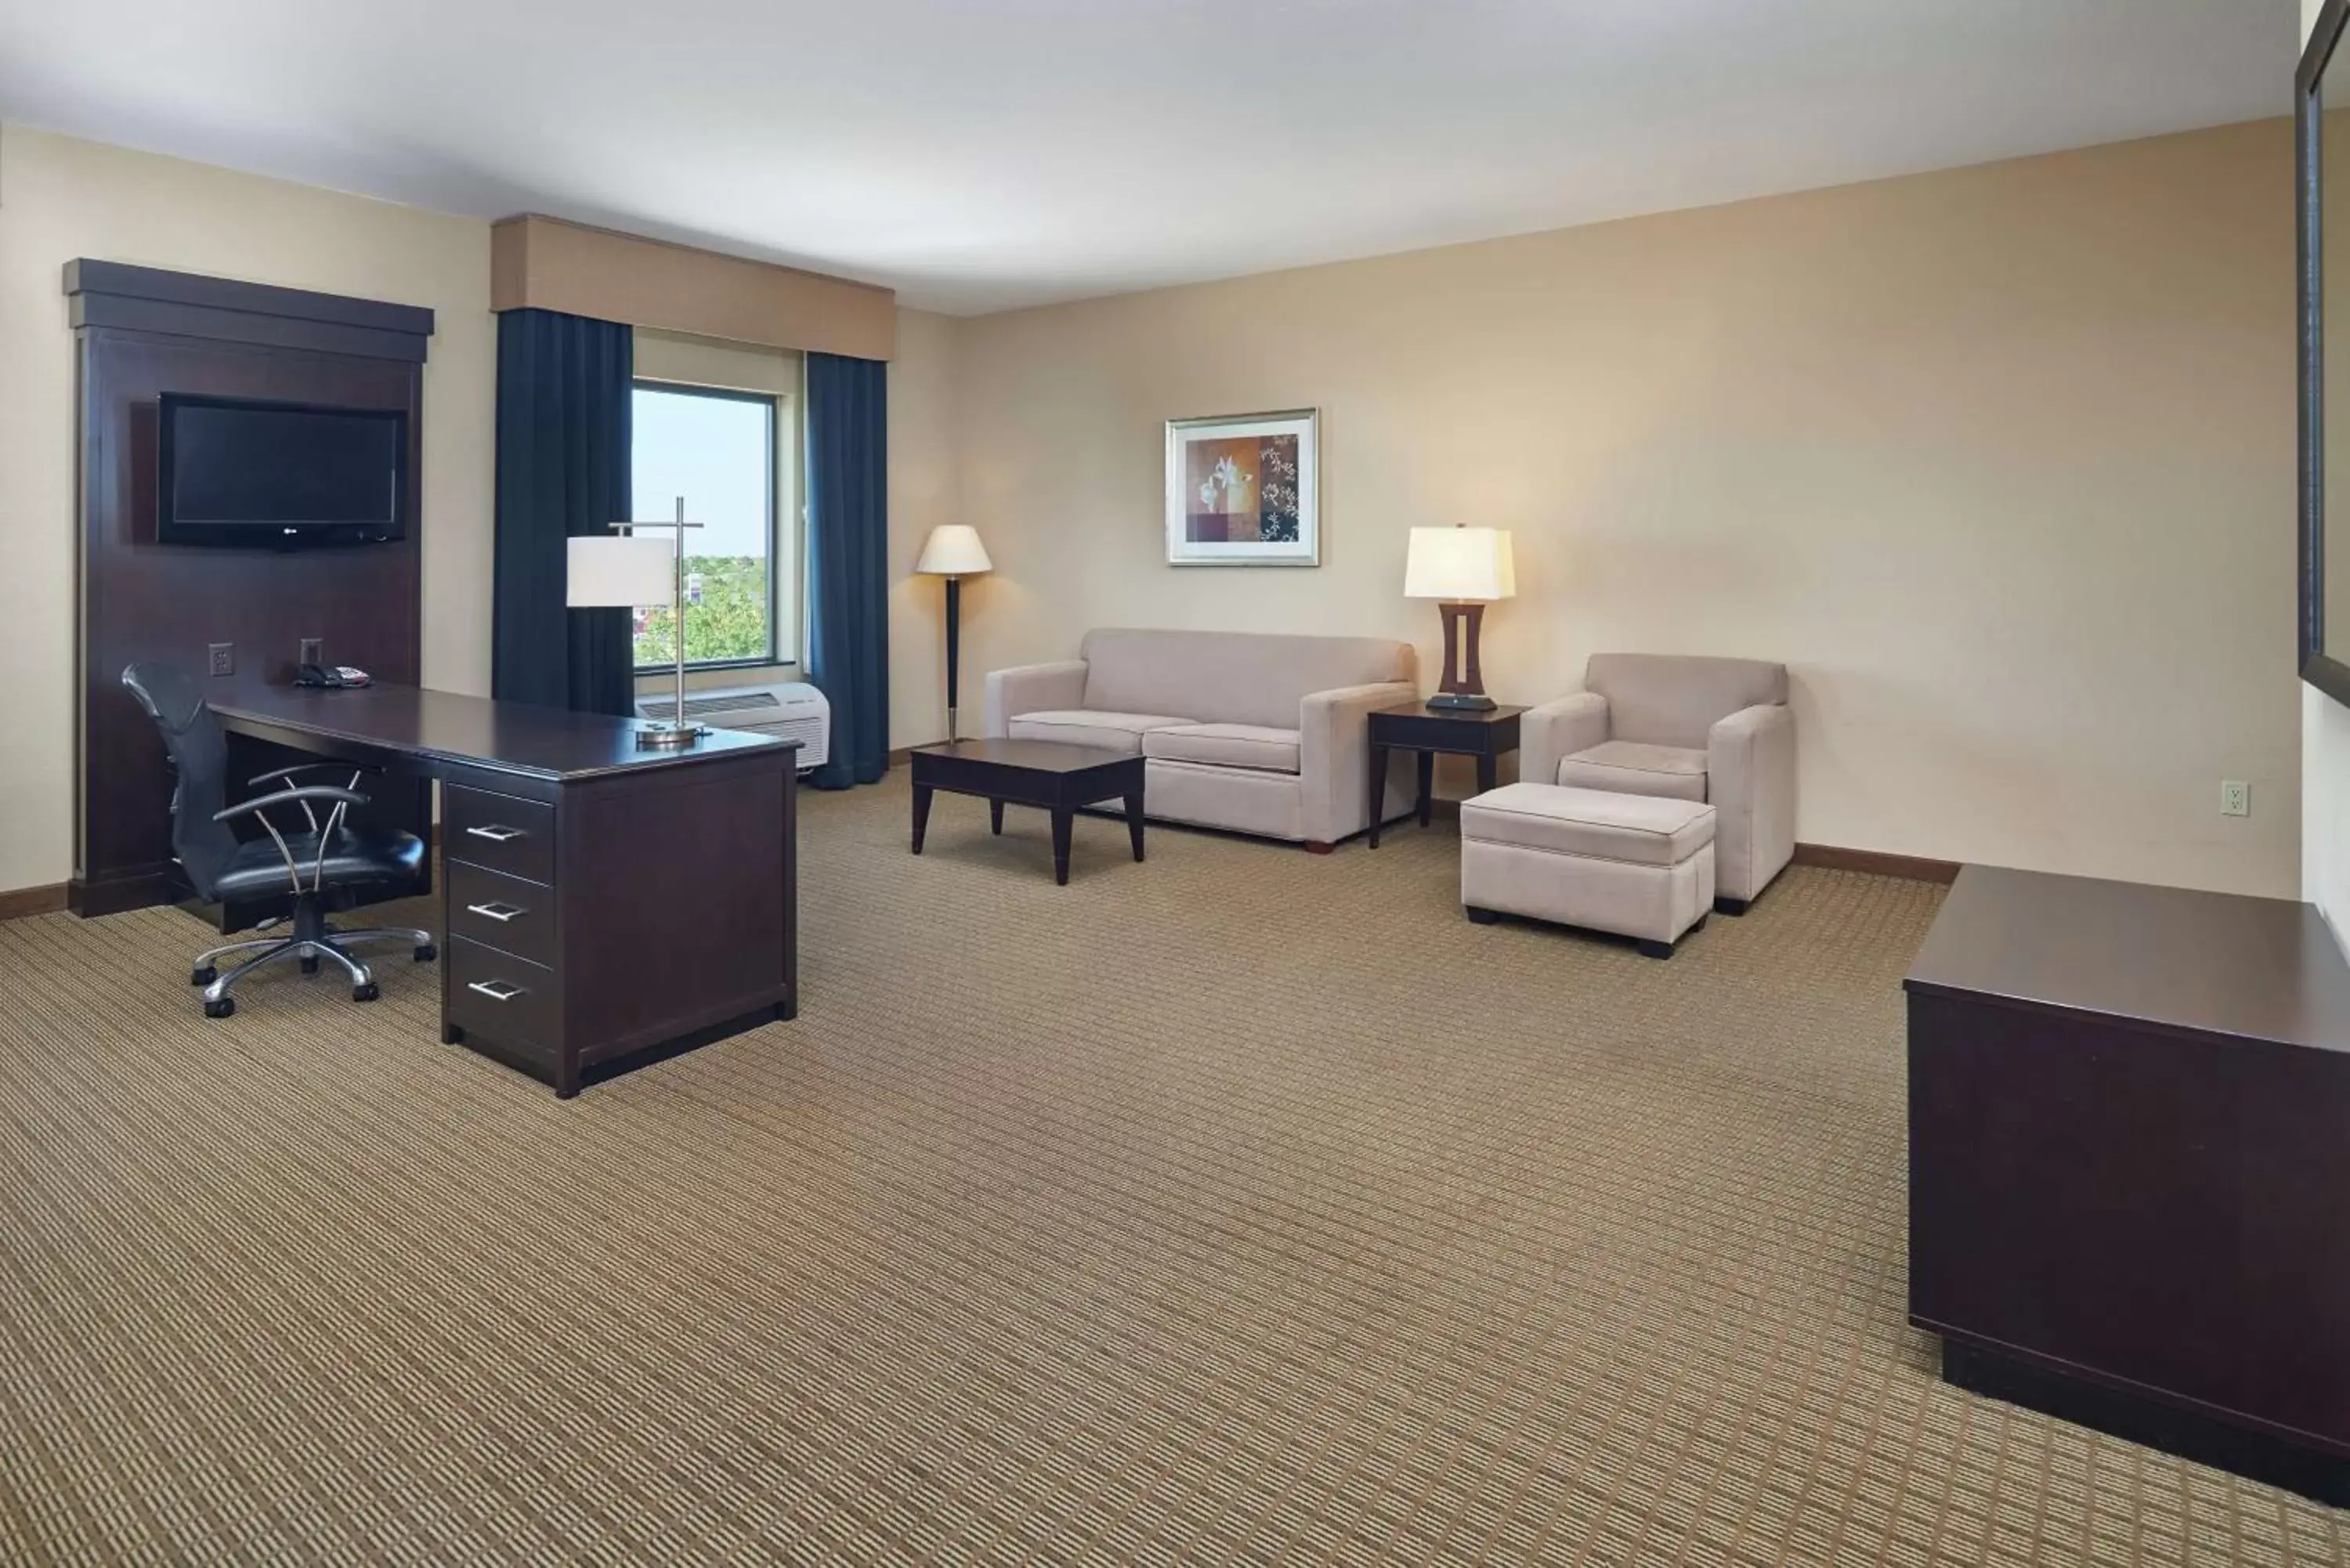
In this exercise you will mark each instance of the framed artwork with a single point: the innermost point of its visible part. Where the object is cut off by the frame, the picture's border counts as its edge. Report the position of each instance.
(1244, 489)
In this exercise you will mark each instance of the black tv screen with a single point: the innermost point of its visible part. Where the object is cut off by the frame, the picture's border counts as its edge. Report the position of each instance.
(235, 471)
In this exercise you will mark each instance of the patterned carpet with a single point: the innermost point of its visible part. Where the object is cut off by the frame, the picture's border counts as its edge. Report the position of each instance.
(1242, 1207)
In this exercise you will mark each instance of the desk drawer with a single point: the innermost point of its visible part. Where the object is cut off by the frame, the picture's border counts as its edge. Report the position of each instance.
(499, 911)
(504, 997)
(499, 831)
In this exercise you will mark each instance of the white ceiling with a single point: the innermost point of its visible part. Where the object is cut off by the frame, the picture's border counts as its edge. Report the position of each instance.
(981, 154)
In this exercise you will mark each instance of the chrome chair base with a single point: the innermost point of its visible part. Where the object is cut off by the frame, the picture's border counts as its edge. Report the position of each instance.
(324, 942)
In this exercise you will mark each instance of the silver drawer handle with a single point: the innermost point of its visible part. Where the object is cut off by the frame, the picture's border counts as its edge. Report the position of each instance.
(496, 834)
(501, 913)
(496, 990)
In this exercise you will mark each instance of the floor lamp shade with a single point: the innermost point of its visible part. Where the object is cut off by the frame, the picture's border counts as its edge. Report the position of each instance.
(1464, 569)
(628, 572)
(953, 550)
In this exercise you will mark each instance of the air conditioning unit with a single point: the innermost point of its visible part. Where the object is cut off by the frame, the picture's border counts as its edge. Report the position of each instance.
(792, 708)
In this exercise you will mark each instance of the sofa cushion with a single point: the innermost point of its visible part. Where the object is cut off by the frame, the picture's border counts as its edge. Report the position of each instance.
(1644, 830)
(1226, 745)
(1630, 767)
(1672, 699)
(1087, 727)
(1231, 677)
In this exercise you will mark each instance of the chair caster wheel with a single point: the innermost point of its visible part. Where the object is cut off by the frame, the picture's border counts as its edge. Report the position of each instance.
(221, 1008)
(204, 976)
(366, 992)
(426, 952)
(309, 966)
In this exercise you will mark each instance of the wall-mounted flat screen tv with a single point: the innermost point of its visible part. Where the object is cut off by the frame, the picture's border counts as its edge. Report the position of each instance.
(233, 471)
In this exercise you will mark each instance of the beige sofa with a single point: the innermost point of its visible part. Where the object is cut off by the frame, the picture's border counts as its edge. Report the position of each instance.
(1686, 728)
(1255, 733)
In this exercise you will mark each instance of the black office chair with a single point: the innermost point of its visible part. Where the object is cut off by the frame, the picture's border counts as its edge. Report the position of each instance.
(326, 859)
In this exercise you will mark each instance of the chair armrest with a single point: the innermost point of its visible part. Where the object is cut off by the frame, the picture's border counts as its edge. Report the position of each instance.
(1334, 756)
(343, 799)
(1032, 688)
(275, 773)
(1561, 727)
(1750, 764)
(301, 797)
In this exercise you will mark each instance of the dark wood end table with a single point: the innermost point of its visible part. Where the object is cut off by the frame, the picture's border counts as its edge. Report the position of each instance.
(1060, 778)
(1483, 734)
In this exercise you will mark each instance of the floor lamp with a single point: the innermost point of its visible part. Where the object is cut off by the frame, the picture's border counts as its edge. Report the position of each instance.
(953, 552)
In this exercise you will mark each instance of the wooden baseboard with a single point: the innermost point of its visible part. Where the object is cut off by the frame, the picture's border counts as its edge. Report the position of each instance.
(1878, 863)
(22, 901)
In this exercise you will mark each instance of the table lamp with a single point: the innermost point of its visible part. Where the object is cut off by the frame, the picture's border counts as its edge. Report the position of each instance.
(953, 552)
(1464, 569)
(629, 573)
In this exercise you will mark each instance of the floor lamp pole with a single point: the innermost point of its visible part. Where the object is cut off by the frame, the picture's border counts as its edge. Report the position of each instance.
(954, 651)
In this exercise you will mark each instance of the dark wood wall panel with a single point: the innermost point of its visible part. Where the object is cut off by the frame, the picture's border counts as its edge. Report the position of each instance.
(143, 600)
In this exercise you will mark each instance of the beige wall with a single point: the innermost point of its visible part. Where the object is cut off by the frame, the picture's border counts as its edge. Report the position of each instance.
(62, 198)
(923, 400)
(2000, 461)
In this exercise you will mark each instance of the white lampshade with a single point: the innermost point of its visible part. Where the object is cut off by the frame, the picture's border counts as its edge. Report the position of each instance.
(953, 550)
(1461, 565)
(628, 570)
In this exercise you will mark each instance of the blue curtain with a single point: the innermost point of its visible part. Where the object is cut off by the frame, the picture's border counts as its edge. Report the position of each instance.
(563, 468)
(848, 561)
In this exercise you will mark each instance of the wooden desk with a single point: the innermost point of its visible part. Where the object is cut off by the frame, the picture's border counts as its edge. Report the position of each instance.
(2129, 1146)
(597, 902)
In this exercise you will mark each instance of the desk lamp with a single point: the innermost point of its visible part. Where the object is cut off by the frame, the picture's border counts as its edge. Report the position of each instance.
(630, 573)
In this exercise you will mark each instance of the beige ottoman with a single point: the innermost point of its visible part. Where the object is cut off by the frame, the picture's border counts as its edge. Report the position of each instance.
(1639, 866)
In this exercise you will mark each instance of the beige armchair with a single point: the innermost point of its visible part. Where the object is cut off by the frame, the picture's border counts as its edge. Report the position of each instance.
(1686, 728)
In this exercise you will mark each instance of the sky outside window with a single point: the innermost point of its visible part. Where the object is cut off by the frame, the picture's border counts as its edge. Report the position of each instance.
(717, 451)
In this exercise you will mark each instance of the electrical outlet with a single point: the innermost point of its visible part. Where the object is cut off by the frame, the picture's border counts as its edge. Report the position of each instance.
(314, 650)
(223, 657)
(2235, 798)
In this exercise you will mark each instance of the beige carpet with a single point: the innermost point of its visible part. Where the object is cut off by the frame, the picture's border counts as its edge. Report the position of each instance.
(1242, 1207)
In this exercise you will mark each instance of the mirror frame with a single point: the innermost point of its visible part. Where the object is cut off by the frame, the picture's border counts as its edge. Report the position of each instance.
(2327, 673)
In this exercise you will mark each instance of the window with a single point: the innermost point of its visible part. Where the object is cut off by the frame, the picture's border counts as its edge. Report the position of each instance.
(718, 450)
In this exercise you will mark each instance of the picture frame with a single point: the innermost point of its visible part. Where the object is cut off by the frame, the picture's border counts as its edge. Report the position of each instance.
(1244, 489)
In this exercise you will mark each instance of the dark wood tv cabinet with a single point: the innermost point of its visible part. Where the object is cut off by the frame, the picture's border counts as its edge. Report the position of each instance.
(2129, 1166)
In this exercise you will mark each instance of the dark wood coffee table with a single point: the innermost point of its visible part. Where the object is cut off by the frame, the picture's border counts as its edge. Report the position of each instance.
(1060, 778)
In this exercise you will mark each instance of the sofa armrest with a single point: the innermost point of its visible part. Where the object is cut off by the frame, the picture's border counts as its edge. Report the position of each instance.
(1334, 756)
(1033, 688)
(1750, 764)
(1551, 733)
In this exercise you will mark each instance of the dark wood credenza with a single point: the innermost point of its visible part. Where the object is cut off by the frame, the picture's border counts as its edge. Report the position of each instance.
(2129, 1177)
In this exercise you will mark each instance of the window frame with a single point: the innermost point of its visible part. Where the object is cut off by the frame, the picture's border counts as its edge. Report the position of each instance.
(774, 403)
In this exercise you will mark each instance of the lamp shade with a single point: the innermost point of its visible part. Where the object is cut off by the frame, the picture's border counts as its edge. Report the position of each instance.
(1463, 564)
(953, 550)
(625, 570)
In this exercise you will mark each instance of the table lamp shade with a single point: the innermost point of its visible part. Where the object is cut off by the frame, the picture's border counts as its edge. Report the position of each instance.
(1464, 565)
(953, 550)
(626, 571)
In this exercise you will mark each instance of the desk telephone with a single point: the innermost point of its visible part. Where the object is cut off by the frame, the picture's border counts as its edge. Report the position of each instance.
(335, 677)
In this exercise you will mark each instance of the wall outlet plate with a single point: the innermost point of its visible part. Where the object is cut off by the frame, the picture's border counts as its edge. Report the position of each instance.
(2235, 798)
(223, 657)
(314, 650)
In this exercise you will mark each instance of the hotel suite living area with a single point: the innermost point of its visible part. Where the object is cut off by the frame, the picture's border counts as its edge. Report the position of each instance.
(1531, 783)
